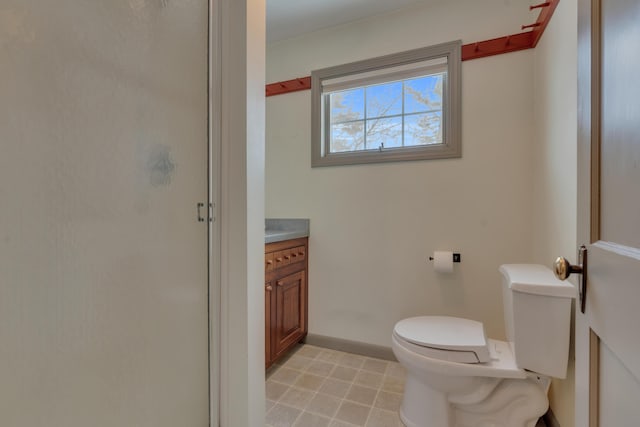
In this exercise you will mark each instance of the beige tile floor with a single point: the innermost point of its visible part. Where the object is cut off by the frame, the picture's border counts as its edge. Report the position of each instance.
(318, 387)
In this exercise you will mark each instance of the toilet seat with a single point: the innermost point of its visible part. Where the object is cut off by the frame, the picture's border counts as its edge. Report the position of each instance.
(502, 363)
(446, 338)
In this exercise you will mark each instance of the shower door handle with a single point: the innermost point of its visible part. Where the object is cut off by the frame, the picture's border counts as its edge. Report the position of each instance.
(200, 217)
(209, 214)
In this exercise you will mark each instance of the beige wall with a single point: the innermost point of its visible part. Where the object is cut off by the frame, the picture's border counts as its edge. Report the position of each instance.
(374, 226)
(554, 155)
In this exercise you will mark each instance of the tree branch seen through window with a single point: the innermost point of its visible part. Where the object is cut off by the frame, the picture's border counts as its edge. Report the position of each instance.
(391, 115)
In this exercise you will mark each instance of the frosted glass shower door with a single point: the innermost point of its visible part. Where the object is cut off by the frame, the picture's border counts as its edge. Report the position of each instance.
(103, 263)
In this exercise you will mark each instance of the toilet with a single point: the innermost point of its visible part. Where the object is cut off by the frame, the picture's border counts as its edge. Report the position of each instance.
(457, 377)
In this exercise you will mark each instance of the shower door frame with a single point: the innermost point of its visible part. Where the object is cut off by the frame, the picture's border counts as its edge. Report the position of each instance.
(214, 106)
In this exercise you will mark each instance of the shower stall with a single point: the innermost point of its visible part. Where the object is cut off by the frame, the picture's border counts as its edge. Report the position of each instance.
(105, 223)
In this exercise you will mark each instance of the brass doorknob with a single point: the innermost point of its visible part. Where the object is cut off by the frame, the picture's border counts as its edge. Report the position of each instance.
(563, 268)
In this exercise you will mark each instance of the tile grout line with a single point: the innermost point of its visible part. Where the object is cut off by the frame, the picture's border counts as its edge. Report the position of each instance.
(336, 362)
(376, 396)
(316, 392)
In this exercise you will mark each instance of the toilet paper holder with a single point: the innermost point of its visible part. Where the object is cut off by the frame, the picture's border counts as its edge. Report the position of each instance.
(456, 257)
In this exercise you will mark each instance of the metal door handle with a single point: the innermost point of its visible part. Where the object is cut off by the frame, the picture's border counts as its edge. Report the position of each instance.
(209, 213)
(563, 269)
(200, 217)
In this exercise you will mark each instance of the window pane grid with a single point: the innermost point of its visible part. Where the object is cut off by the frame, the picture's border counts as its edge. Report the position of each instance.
(342, 129)
(386, 117)
(403, 89)
(365, 119)
(412, 98)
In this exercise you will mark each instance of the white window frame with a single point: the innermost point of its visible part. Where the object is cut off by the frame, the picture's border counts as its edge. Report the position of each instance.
(389, 68)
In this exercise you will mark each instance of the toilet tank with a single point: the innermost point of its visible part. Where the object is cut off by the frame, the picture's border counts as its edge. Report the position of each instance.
(537, 316)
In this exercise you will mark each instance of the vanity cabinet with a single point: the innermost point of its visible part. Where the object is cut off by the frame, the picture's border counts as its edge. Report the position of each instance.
(286, 298)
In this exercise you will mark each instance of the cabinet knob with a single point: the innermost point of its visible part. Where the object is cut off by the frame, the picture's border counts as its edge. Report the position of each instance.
(280, 283)
(269, 262)
(278, 259)
(301, 253)
(287, 257)
(293, 255)
(268, 288)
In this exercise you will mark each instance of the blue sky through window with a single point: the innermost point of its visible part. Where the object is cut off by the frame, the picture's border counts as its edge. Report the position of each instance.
(346, 102)
(384, 100)
(395, 114)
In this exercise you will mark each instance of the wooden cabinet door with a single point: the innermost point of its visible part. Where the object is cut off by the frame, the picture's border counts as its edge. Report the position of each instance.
(269, 323)
(290, 311)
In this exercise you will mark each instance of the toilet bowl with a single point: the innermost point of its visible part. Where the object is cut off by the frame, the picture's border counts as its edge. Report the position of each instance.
(456, 377)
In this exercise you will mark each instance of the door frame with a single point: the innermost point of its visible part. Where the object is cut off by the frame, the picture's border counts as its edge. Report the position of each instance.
(237, 129)
(588, 229)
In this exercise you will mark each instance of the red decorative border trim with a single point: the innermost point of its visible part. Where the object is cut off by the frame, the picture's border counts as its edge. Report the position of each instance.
(543, 20)
(302, 83)
(498, 46)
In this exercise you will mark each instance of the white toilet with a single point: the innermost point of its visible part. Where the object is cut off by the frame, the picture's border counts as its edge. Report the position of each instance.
(456, 377)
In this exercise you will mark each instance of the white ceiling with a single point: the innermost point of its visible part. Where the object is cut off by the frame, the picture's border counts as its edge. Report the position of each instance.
(289, 18)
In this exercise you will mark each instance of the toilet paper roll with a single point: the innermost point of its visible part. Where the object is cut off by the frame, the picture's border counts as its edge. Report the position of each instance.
(443, 261)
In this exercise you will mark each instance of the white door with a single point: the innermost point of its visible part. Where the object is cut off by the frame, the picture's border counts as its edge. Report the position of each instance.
(608, 332)
(103, 264)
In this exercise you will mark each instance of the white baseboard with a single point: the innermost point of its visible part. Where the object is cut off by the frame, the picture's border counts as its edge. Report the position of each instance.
(355, 347)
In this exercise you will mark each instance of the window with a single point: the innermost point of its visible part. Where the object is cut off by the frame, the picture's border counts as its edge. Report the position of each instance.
(404, 106)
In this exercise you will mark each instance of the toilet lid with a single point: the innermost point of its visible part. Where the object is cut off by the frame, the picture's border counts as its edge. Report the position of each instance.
(445, 333)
